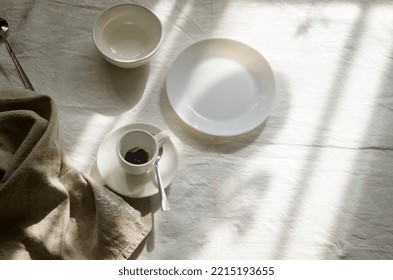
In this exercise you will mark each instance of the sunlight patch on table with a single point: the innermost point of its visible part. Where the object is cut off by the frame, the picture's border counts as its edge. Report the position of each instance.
(87, 143)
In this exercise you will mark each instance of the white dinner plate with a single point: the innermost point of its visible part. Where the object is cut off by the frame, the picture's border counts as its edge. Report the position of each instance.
(134, 185)
(221, 87)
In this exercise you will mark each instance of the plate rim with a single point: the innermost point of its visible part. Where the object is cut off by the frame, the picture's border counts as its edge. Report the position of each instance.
(197, 127)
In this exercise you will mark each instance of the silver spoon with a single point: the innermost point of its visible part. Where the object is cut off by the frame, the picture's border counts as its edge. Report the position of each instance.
(3, 37)
(164, 201)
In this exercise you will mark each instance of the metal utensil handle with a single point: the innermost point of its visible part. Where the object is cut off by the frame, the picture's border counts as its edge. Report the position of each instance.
(22, 74)
(164, 200)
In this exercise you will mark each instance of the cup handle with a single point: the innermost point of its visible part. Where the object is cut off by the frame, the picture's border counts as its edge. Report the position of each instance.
(161, 138)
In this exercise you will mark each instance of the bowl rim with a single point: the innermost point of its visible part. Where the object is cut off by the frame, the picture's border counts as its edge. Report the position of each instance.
(128, 61)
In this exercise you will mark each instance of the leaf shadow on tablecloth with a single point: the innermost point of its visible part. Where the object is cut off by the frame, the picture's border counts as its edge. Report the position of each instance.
(362, 226)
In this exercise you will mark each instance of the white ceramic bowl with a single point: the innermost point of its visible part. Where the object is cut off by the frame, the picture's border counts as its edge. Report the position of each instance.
(127, 35)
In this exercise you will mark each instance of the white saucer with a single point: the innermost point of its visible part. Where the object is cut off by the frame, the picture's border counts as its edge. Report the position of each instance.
(221, 87)
(135, 186)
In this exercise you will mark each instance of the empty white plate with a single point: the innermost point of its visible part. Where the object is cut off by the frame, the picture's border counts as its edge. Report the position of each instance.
(221, 87)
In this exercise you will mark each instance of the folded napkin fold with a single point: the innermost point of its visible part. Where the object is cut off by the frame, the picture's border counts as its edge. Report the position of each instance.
(48, 209)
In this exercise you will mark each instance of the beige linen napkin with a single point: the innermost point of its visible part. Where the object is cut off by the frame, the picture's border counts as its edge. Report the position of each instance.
(48, 209)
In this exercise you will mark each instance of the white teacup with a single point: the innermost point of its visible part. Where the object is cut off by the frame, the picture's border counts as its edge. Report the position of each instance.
(137, 150)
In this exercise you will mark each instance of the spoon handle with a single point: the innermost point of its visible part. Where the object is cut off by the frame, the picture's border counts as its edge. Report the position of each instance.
(22, 74)
(164, 201)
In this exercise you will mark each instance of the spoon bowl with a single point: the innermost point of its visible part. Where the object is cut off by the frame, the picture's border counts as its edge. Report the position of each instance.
(3, 29)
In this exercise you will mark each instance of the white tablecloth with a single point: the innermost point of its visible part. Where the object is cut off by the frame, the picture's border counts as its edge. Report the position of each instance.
(315, 181)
